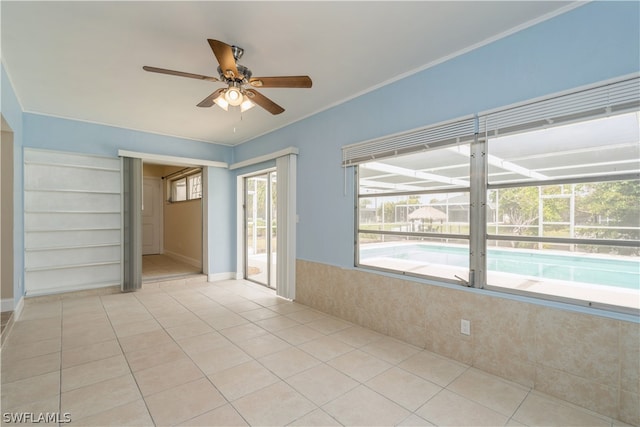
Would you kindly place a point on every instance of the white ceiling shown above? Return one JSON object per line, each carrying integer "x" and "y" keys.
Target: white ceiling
{"x": 83, "y": 60}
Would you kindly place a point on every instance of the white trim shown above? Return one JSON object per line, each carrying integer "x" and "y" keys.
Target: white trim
{"x": 122, "y": 222}
{"x": 217, "y": 277}
{"x": 191, "y": 261}
{"x": 66, "y": 153}
{"x": 74, "y": 288}
{"x": 205, "y": 222}
{"x": 17, "y": 311}
{"x": 264, "y": 158}
{"x": 240, "y": 238}
{"x": 240, "y": 219}
{"x": 180, "y": 161}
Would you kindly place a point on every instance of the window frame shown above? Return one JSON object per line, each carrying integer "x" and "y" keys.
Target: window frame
{"x": 515, "y": 122}
{"x": 478, "y": 236}
{"x": 187, "y": 177}
{"x": 423, "y": 234}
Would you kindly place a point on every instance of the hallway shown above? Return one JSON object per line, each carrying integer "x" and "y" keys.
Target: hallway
{"x": 156, "y": 267}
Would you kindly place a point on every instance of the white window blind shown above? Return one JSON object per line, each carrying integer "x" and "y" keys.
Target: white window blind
{"x": 599, "y": 101}
{"x": 442, "y": 134}
{"x": 286, "y": 208}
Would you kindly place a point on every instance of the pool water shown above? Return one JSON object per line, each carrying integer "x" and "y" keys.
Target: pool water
{"x": 596, "y": 270}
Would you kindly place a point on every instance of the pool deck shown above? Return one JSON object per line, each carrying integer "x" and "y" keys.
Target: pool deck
{"x": 597, "y": 294}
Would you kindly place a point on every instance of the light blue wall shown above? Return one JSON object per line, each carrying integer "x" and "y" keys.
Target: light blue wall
{"x": 12, "y": 112}
{"x": 54, "y": 133}
{"x": 595, "y": 42}
{"x": 222, "y": 221}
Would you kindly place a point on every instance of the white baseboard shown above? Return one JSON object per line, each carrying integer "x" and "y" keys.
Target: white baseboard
{"x": 6, "y": 304}
{"x": 191, "y": 261}
{"x": 17, "y": 311}
{"x": 221, "y": 276}
{"x": 66, "y": 291}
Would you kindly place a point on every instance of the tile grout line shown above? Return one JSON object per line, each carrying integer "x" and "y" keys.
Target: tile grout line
{"x": 188, "y": 356}
{"x": 283, "y": 380}
{"x": 127, "y": 362}
{"x": 254, "y": 359}
{"x": 186, "y": 305}
{"x": 520, "y": 405}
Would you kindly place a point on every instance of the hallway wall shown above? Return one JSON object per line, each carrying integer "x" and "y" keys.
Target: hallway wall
{"x": 6, "y": 218}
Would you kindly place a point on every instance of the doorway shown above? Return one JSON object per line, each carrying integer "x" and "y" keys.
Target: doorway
{"x": 260, "y": 228}
{"x": 172, "y": 221}
{"x": 6, "y": 223}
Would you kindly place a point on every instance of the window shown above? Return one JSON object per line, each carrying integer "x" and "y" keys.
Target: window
{"x": 414, "y": 213}
{"x": 195, "y": 186}
{"x": 187, "y": 187}
{"x": 567, "y": 218}
{"x": 545, "y": 200}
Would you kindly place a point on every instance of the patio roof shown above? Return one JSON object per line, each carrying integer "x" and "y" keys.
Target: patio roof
{"x": 604, "y": 146}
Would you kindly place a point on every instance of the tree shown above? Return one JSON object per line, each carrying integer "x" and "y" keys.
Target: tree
{"x": 517, "y": 207}
{"x": 611, "y": 203}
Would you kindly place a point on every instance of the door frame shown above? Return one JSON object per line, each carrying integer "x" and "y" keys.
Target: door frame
{"x": 185, "y": 161}
{"x": 245, "y": 255}
{"x": 286, "y": 165}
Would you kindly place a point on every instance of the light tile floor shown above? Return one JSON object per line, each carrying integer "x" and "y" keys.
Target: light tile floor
{"x": 187, "y": 352}
{"x": 159, "y": 266}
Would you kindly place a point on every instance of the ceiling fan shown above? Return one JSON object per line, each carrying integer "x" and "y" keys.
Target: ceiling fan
{"x": 239, "y": 81}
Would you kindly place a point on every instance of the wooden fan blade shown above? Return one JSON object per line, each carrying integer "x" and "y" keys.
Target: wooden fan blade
{"x": 208, "y": 101}
{"x": 284, "y": 81}
{"x": 224, "y": 55}
{"x": 180, "y": 73}
{"x": 264, "y": 102}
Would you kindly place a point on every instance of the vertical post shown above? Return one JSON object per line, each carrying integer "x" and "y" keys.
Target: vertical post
{"x": 286, "y": 169}
{"x": 132, "y": 215}
{"x": 478, "y": 214}
{"x": 572, "y": 217}
{"x": 540, "y": 216}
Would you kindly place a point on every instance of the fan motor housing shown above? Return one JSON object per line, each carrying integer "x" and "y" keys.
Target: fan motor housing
{"x": 244, "y": 75}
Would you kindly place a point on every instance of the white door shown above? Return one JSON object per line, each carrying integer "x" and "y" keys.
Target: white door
{"x": 151, "y": 215}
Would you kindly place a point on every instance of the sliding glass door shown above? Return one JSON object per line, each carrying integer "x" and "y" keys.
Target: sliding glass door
{"x": 260, "y": 226}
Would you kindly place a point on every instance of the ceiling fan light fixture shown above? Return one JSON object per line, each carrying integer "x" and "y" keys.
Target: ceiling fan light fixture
{"x": 222, "y": 102}
{"x": 237, "y": 77}
{"x": 246, "y": 104}
{"x": 233, "y": 96}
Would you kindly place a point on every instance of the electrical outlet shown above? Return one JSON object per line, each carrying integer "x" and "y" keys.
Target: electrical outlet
{"x": 465, "y": 327}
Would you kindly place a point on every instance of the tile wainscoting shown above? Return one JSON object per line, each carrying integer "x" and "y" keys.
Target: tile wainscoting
{"x": 587, "y": 360}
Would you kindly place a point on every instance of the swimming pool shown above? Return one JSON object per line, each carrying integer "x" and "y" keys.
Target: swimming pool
{"x": 597, "y": 270}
